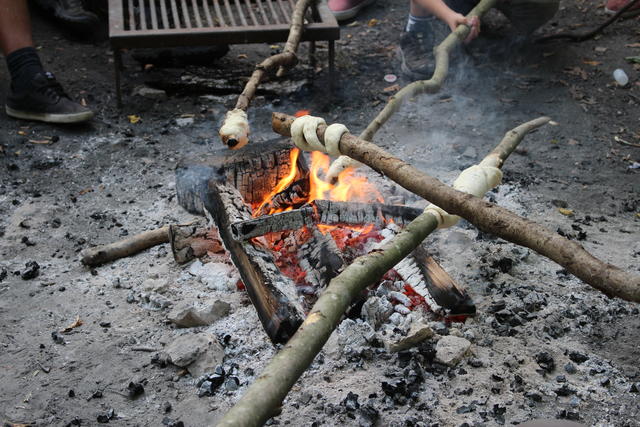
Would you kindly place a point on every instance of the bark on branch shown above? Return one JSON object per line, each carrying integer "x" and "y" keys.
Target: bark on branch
{"x": 269, "y": 390}
{"x": 102, "y": 254}
{"x": 486, "y": 216}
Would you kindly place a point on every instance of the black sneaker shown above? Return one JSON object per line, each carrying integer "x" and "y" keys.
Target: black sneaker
{"x": 70, "y": 12}
{"x": 416, "y": 54}
{"x": 46, "y": 101}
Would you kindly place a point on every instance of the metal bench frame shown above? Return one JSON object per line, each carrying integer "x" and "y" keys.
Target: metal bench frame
{"x": 174, "y": 23}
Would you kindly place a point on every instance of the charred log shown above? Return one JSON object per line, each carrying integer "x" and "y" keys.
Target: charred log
{"x": 327, "y": 212}
{"x": 272, "y": 294}
{"x": 193, "y": 241}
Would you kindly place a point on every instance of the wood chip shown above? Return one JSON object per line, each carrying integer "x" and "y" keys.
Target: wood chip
{"x": 76, "y": 323}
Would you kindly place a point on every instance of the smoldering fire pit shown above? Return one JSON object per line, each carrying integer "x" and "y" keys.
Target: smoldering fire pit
{"x": 289, "y": 233}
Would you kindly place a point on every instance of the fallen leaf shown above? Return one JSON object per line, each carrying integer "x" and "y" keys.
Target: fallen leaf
{"x": 274, "y": 46}
{"x": 21, "y": 132}
{"x": 392, "y": 88}
{"x": 372, "y": 22}
{"x": 85, "y": 191}
{"x": 577, "y": 71}
{"x": 638, "y": 214}
{"x": 133, "y": 119}
{"x": 147, "y": 67}
{"x": 633, "y": 59}
{"x": 590, "y": 62}
{"x": 567, "y": 212}
{"x": 83, "y": 102}
{"x": 242, "y": 56}
{"x": 353, "y": 24}
{"x": 40, "y": 141}
{"x": 632, "y": 45}
{"x": 76, "y": 323}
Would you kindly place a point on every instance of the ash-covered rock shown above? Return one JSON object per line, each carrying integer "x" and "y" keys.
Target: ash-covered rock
{"x": 189, "y": 314}
{"x": 450, "y": 350}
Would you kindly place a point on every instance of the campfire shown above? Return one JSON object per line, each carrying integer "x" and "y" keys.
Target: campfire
{"x": 289, "y": 231}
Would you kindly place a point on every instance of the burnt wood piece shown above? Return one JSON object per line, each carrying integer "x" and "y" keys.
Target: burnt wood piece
{"x": 325, "y": 212}
{"x": 193, "y": 241}
{"x": 273, "y": 295}
{"x": 443, "y": 289}
{"x": 321, "y": 259}
{"x": 255, "y": 171}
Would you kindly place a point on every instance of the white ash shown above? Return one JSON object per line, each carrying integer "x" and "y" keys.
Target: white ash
{"x": 215, "y": 275}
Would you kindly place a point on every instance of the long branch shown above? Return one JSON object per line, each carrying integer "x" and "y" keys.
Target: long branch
{"x": 287, "y": 58}
{"x": 433, "y": 85}
{"x": 271, "y": 387}
{"x": 234, "y": 131}
{"x": 488, "y": 217}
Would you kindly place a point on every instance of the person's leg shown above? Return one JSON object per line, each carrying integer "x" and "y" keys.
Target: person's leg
{"x": 15, "y": 26}
{"x": 35, "y": 94}
{"x": 528, "y": 15}
{"x": 347, "y": 9}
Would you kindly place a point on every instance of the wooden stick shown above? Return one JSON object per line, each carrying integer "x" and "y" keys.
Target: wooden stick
{"x": 287, "y": 58}
{"x": 102, "y": 254}
{"x": 266, "y": 394}
{"x": 580, "y": 37}
{"x": 486, "y": 216}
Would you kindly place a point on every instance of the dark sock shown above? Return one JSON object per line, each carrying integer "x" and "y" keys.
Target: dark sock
{"x": 23, "y": 65}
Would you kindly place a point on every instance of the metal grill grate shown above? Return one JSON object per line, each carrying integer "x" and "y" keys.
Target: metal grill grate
{"x": 159, "y": 23}
{"x": 174, "y": 23}
{"x": 143, "y": 15}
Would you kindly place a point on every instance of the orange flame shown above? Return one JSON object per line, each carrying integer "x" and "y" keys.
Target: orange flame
{"x": 284, "y": 182}
{"x": 349, "y": 187}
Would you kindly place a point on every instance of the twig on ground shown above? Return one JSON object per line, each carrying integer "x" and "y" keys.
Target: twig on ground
{"x": 102, "y": 254}
{"x": 580, "y": 37}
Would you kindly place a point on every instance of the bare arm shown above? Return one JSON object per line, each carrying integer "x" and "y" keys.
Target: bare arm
{"x": 445, "y": 14}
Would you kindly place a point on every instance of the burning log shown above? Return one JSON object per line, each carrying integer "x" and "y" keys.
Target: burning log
{"x": 255, "y": 171}
{"x": 433, "y": 85}
{"x": 234, "y": 132}
{"x": 488, "y": 217}
{"x": 293, "y": 196}
{"x": 269, "y": 390}
{"x": 272, "y": 294}
{"x": 103, "y": 254}
{"x": 328, "y": 212}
